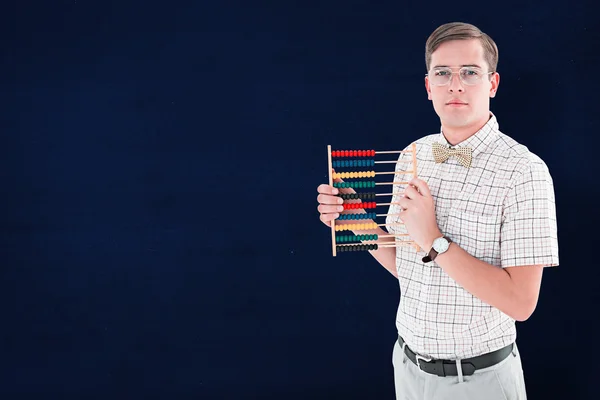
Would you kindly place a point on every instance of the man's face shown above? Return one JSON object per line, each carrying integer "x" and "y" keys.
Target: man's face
{"x": 457, "y": 104}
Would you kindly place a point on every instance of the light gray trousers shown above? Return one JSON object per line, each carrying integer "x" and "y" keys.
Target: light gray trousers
{"x": 503, "y": 381}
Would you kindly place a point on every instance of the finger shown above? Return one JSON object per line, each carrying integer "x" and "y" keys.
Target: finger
{"x": 327, "y": 189}
{"x": 411, "y": 192}
{"x": 327, "y": 209}
{"x": 327, "y": 218}
{"x": 421, "y": 186}
{"x": 328, "y": 223}
{"x": 404, "y": 203}
{"x": 327, "y": 199}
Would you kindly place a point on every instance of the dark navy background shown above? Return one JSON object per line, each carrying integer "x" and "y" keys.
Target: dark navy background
{"x": 159, "y": 164}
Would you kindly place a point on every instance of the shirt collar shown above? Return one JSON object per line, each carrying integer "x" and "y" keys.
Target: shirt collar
{"x": 480, "y": 140}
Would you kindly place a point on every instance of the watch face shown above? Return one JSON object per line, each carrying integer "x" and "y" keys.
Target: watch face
{"x": 440, "y": 245}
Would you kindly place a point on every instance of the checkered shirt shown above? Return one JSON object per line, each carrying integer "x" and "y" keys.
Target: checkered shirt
{"x": 501, "y": 211}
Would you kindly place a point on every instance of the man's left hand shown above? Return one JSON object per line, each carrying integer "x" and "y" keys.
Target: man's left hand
{"x": 418, "y": 214}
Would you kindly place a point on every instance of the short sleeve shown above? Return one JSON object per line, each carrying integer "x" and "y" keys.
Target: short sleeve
{"x": 529, "y": 226}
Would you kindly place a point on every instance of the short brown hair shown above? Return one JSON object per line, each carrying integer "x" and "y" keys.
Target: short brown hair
{"x": 462, "y": 31}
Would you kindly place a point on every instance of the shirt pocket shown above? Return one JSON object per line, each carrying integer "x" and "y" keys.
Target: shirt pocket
{"x": 476, "y": 231}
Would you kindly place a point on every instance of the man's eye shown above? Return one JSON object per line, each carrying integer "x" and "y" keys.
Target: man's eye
{"x": 441, "y": 73}
{"x": 472, "y": 72}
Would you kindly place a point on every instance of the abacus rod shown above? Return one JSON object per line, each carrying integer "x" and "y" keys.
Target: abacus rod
{"x": 377, "y": 173}
{"x": 376, "y": 194}
{"x": 395, "y": 245}
{"x": 382, "y": 244}
{"x": 333, "y": 248}
{"x": 393, "y": 162}
{"x": 393, "y": 151}
{"x": 388, "y": 236}
{"x": 394, "y": 235}
{"x": 392, "y": 183}
{"x": 414, "y": 158}
{"x": 355, "y": 222}
{"x": 376, "y": 205}
{"x": 390, "y": 173}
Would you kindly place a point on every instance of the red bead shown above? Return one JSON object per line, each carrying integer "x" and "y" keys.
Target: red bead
{"x": 334, "y": 153}
{"x": 354, "y": 153}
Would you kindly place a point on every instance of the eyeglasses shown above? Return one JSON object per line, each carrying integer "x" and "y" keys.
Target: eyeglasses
{"x": 468, "y": 75}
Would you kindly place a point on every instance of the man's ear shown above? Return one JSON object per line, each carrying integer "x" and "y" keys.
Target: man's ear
{"x": 495, "y": 81}
{"x": 427, "y": 88}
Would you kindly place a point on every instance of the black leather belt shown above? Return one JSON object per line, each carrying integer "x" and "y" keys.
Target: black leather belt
{"x": 448, "y": 367}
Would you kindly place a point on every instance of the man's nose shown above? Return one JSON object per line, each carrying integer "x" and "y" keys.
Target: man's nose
{"x": 455, "y": 84}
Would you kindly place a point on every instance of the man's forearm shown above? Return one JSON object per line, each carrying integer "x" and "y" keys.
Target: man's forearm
{"x": 491, "y": 284}
{"x": 386, "y": 256}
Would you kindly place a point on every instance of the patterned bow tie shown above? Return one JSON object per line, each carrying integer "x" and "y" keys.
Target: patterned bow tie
{"x": 463, "y": 154}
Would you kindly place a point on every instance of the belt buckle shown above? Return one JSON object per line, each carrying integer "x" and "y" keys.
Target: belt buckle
{"x": 426, "y": 359}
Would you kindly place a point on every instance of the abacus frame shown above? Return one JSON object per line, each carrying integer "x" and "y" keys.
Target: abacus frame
{"x": 412, "y": 150}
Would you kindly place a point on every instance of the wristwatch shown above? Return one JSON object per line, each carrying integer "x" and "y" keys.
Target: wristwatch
{"x": 440, "y": 245}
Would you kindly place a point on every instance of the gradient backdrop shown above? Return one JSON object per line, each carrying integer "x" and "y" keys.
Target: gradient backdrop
{"x": 159, "y": 161}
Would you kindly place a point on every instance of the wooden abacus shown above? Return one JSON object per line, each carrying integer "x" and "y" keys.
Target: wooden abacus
{"x": 365, "y": 158}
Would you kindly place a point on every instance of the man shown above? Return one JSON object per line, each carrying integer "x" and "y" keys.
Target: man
{"x": 482, "y": 210}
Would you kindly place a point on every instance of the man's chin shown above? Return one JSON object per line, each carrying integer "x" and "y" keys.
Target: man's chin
{"x": 455, "y": 121}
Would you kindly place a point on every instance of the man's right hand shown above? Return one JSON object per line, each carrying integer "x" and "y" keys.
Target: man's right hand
{"x": 330, "y": 206}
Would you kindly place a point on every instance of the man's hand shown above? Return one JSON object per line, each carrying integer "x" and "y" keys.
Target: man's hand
{"x": 330, "y": 206}
{"x": 418, "y": 214}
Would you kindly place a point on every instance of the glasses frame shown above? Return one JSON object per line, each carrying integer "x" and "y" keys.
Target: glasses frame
{"x": 452, "y": 73}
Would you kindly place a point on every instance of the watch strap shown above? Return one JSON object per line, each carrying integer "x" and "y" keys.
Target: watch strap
{"x": 432, "y": 253}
